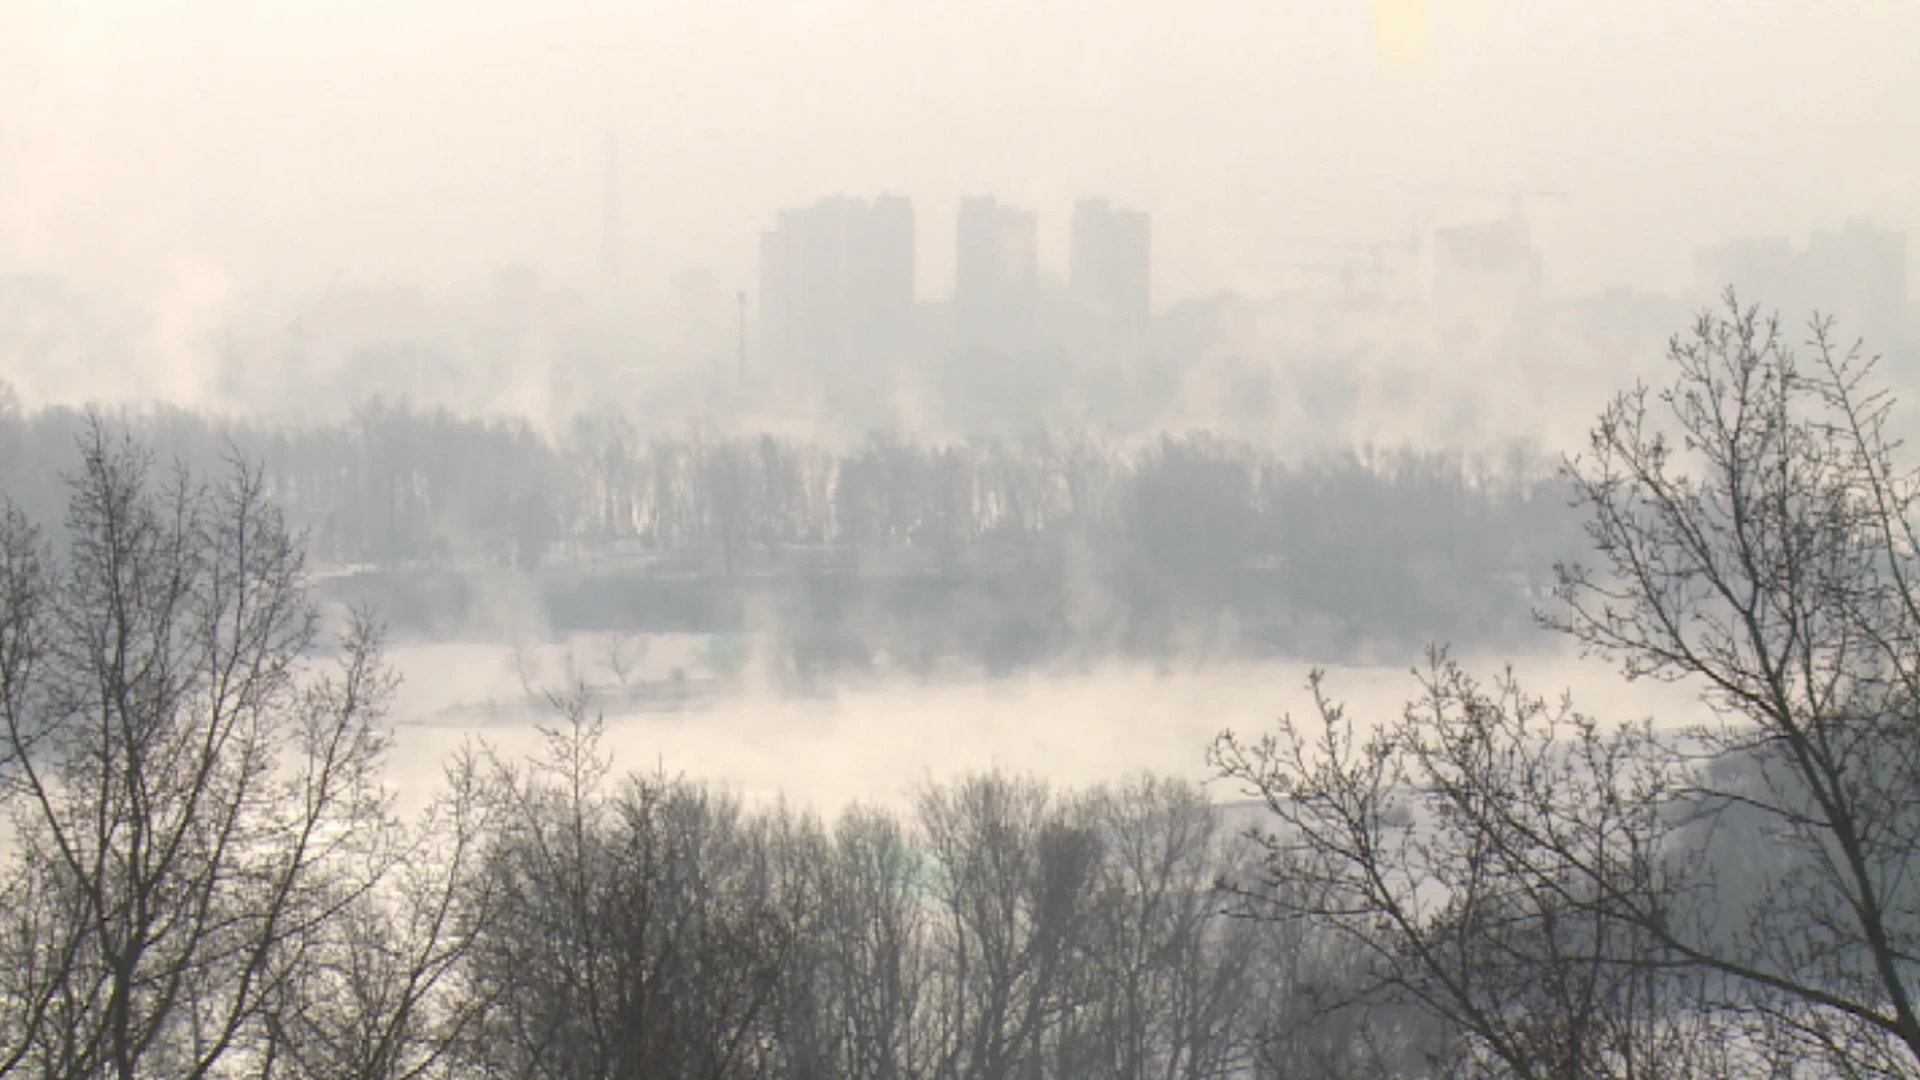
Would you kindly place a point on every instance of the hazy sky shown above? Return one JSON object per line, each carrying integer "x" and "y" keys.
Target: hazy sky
{"x": 220, "y": 141}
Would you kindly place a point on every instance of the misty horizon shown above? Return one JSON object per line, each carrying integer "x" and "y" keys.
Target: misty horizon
{"x": 420, "y": 146}
{"x": 939, "y": 540}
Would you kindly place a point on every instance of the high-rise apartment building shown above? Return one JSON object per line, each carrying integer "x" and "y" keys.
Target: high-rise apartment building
{"x": 995, "y": 252}
{"x": 1486, "y": 273}
{"x": 1110, "y": 263}
{"x": 836, "y": 282}
{"x": 1856, "y": 274}
{"x": 996, "y": 273}
{"x": 1753, "y": 266}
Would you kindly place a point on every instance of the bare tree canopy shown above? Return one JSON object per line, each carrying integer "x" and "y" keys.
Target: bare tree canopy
{"x": 204, "y": 873}
{"x": 994, "y": 551}
{"x": 195, "y": 806}
{"x": 1578, "y": 899}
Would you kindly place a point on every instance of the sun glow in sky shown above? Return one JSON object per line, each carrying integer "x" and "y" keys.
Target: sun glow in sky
{"x": 1401, "y": 29}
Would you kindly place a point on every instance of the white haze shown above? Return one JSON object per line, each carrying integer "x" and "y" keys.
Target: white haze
{"x": 211, "y": 157}
{"x": 879, "y": 741}
{"x": 220, "y": 166}
{"x": 432, "y": 140}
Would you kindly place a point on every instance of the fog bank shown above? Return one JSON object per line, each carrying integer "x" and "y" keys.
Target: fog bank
{"x": 879, "y": 741}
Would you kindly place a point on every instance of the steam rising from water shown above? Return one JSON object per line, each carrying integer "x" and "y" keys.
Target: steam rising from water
{"x": 878, "y": 741}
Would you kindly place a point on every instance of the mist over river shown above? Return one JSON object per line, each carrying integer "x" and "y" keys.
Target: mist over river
{"x": 879, "y": 738}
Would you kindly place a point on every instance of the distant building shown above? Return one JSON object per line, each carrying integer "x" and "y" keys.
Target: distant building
{"x": 360, "y": 318}
{"x": 836, "y": 283}
{"x": 516, "y": 288}
{"x": 1754, "y": 267}
{"x": 698, "y": 325}
{"x": 996, "y": 252}
{"x": 1485, "y": 274}
{"x": 1857, "y": 274}
{"x": 996, "y": 271}
{"x": 56, "y": 340}
{"x": 1110, "y": 264}
{"x": 1627, "y": 326}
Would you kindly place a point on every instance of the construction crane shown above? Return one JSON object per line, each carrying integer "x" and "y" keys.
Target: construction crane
{"x": 1368, "y": 262}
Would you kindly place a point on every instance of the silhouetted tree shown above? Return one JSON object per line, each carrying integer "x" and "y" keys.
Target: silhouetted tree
{"x": 1577, "y": 900}
{"x": 193, "y": 805}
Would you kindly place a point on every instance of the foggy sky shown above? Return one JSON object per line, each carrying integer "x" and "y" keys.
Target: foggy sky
{"x": 198, "y": 146}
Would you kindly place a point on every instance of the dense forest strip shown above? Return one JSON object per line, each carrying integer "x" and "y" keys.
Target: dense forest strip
{"x": 1407, "y": 544}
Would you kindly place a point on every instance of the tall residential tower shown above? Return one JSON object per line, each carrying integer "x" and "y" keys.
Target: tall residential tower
{"x": 1110, "y": 263}
{"x": 836, "y": 283}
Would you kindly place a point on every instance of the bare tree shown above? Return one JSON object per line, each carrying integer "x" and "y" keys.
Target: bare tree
{"x": 870, "y": 947}
{"x": 1757, "y": 541}
{"x": 1451, "y": 853}
{"x": 1586, "y": 901}
{"x": 384, "y": 992}
{"x": 638, "y": 929}
{"x": 1173, "y": 990}
{"x": 624, "y": 653}
{"x": 1015, "y": 882}
{"x": 188, "y": 798}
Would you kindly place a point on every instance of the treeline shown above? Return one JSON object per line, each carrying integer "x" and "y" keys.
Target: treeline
{"x": 208, "y": 873}
{"x": 653, "y": 927}
{"x": 397, "y": 485}
{"x": 1422, "y": 543}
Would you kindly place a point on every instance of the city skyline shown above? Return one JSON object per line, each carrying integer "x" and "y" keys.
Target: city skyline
{"x": 472, "y": 136}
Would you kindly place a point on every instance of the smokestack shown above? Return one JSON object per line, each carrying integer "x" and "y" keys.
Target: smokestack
{"x": 610, "y": 214}
{"x": 743, "y": 337}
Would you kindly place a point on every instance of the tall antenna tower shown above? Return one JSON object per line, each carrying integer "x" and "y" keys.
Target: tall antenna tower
{"x": 610, "y": 213}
